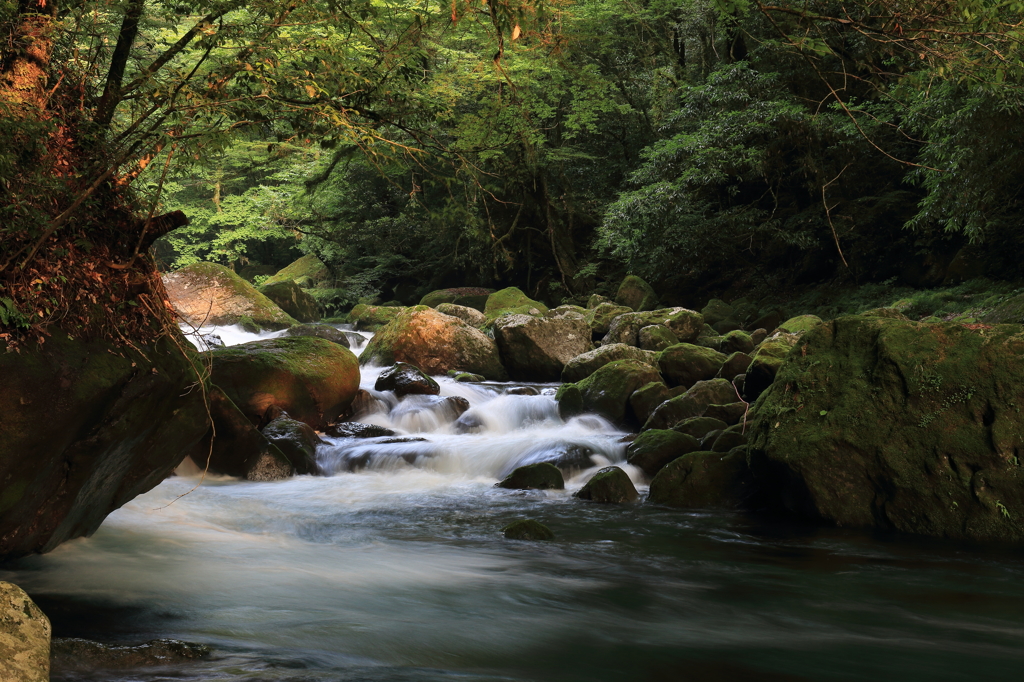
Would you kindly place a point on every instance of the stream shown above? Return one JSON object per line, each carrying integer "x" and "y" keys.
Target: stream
{"x": 393, "y": 567}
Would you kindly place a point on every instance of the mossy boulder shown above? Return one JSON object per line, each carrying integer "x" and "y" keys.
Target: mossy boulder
{"x": 610, "y": 485}
{"x": 685, "y": 324}
{"x": 647, "y": 398}
{"x": 470, "y": 316}
{"x": 716, "y": 311}
{"x": 293, "y": 300}
{"x": 469, "y": 297}
{"x": 321, "y": 331}
{"x": 527, "y": 529}
{"x": 296, "y": 440}
{"x": 372, "y": 318}
{"x": 800, "y": 324}
{"x": 601, "y": 316}
{"x": 435, "y": 343}
{"x": 606, "y": 392}
{"x": 736, "y": 341}
{"x": 891, "y": 424}
{"x": 685, "y": 364}
{"x": 585, "y": 364}
{"x": 728, "y": 413}
{"x": 734, "y": 365}
{"x": 85, "y": 426}
{"x": 655, "y": 448}
{"x": 702, "y": 480}
{"x": 211, "y": 294}
{"x": 693, "y": 403}
{"x": 312, "y": 379}
{"x": 656, "y": 337}
{"x": 537, "y": 348}
{"x": 24, "y": 637}
{"x": 698, "y": 427}
{"x": 510, "y": 301}
{"x": 405, "y": 379}
{"x": 596, "y": 300}
{"x": 539, "y": 476}
{"x": 237, "y": 447}
{"x": 1010, "y": 311}
{"x": 765, "y": 363}
{"x": 308, "y": 267}
{"x": 636, "y": 294}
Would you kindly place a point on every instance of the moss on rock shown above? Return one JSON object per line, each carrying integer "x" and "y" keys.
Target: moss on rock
{"x": 685, "y": 364}
{"x": 527, "y": 529}
{"x": 373, "y": 317}
{"x": 309, "y": 267}
{"x": 610, "y": 485}
{"x": 211, "y": 294}
{"x": 636, "y": 294}
{"x": 539, "y": 476}
{"x": 655, "y": 448}
{"x": 469, "y": 297}
{"x": 704, "y": 479}
{"x": 293, "y": 300}
{"x": 511, "y": 301}
{"x": 606, "y": 392}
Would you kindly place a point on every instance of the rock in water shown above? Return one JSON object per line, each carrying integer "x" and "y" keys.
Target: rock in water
{"x": 527, "y": 529}
{"x": 892, "y": 424}
{"x": 322, "y": 331}
{"x": 405, "y": 379}
{"x": 24, "y": 637}
{"x": 373, "y": 317}
{"x": 293, "y": 300}
{"x": 357, "y": 430}
{"x": 607, "y": 391}
{"x": 609, "y": 485}
{"x": 211, "y": 294}
{"x": 86, "y": 655}
{"x": 655, "y": 448}
{"x": 435, "y": 343}
{"x": 310, "y": 378}
{"x": 84, "y": 428}
{"x": 704, "y": 480}
{"x": 538, "y": 348}
{"x": 540, "y": 476}
{"x": 297, "y": 441}
{"x": 585, "y": 364}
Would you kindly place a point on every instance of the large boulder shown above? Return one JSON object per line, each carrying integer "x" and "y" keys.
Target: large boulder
{"x": 610, "y": 485}
{"x": 606, "y": 392}
{"x": 636, "y": 294}
{"x": 892, "y": 424}
{"x": 373, "y": 317}
{"x": 307, "y": 268}
{"x": 86, "y": 426}
{"x": 693, "y": 403}
{"x": 765, "y": 363}
{"x": 470, "y": 297}
{"x": 601, "y": 316}
{"x": 685, "y": 324}
{"x": 211, "y": 294}
{"x": 655, "y": 448}
{"x": 685, "y": 364}
{"x": 700, "y": 480}
{"x": 538, "y": 348}
{"x": 509, "y": 301}
{"x": 646, "y": 399}
{"x": 293, "y": 300}
{"x": 24, "y": 637}
{"x": 312, "y": 379}
{"x": 585, "y": 364}
{"x": 234, "y": 447}
{"x": 800, "y": 324}
{"x": 435, "y": 343}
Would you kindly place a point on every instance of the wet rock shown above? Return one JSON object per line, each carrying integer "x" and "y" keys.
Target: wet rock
{"x": 609, "y": 485}
{"x": 24, "y": 637}
{"x": 734, "y": 365}
{"x": 405, "y": 379}
{"x": 569, "y": 457}
{"x": 357, "y": 430}
{"x": 539, "y": 476}
{"x": 468, "y": 423}
{"x": 372, "y": 318}
{"x": 606, "y": 392}
{"x": 312, "y": 379}
{"x": 522, "y": 390}
{"x": 693, "y": 403}
{"x": 469, "y": 378}
{"x": 538, "y": 348}
{"x": 701, "y": 480}
{"x": 907, "y": 426}
{"x": 470, "y": 316}
{"x": 698, "y": 427}
{"x": 730, "y": 413}
{"x": 435, "y": 343}
{"x": 238, "y": 449}
{"x": 85, "y": 426}
{"x": 585, "y": 364}
{"x": 211, "y": 294}
{"x": 293, "y": 300}
{"x": 321, "y": 331}
{"x": 656, "y": 337}
{"x": 636, "y": 294}
{"x": 297, "y": 441}
{"x": 212, "y": 340}
{"x": 685, "y": 364}
{"x": 655, "y": 448}
{"x": 456, "y": 405}
{"x": 74, "y": 654}
{"x": 527, "y": 529}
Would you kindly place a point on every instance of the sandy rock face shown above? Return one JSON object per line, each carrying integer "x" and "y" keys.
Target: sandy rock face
{"x": 24, "y": 637}
{"x": 211, "y": 294}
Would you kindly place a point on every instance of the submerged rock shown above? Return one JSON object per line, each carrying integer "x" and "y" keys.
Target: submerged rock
{"x": 538, "y": 348}
{"x": 539, "y": 476}
{"x": 405, "y": 379}
{"x": 569, "y": 457}
{"x": 73, "y": 653}
{"x": 609, "y": 485}
{"x": 435, "y": 343}
{"x": 527, "y": 529}
{"x": 211, "y": 294}
{"x": 310, "y": 378}
{"x": 24, "y": 637}
{"x": 890, "y": 424}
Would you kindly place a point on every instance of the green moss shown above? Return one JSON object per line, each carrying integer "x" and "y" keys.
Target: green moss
{"x": 607, "y": 391}
{"x": 263, "y": 312}
{"x": 373, "y": 317}
{"x": 800, "y": 324}
{"x": 610, "y": 485}
{"x": 509, "y": 301}
{"x": 309, "y": 266}
{"x": 527, "y": 529}
{"x": 636, "y": 294}
{"x": 540, "y": 476}
{"x": 471, "y": 297}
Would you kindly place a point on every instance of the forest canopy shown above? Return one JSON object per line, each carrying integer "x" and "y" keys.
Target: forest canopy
{"x": 552, "y": 145}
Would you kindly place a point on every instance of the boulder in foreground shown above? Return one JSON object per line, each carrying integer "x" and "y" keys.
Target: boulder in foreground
{"x": 539, "y": 476}
{"x": 610, "y": 485}
{"x": 211, "y": 294}
{"x": 891, "y": 424}
{"x": 24, "y": 637}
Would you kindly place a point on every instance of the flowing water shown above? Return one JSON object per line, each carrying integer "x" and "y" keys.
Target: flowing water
{"x": 393, "y": 567}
